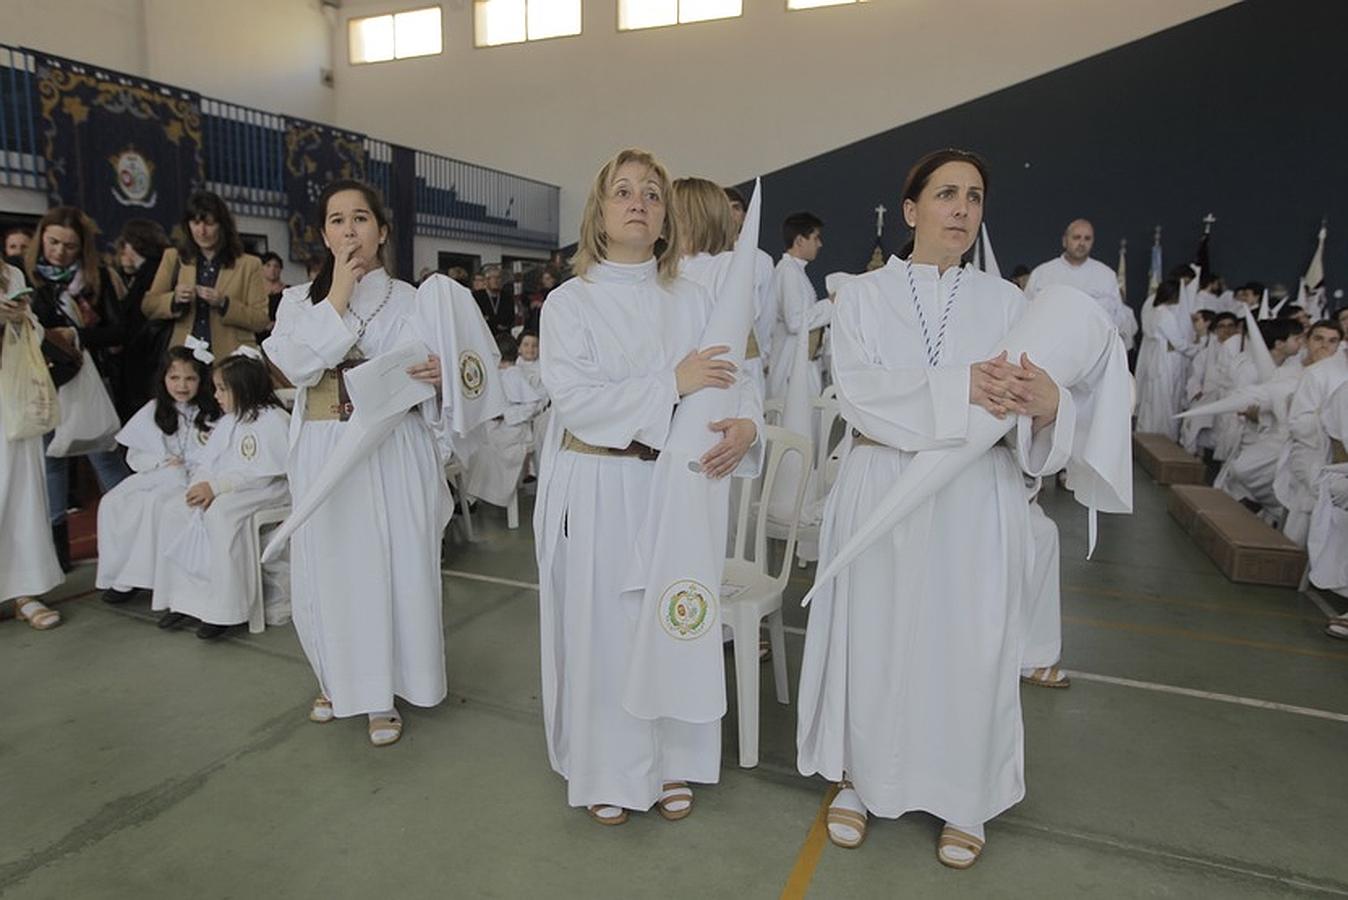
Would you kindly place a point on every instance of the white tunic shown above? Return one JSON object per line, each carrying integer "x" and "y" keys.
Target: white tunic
{"x": 1306, "y": 454}
{"x": 28, "y": 565}
{"x": 244, "y": 462}
{"x": 797, "y": 308}
{"x": 610, "y": 343}
{"x": 1043, "y": 594}
{"x": 497, "y": 461}
{"x": 1207, "y": 383}
{"x": 1095, "y": 279}
{"x": 365, "y": 569}
{"x": 1160, "y": 372}
{"x": 710, "y": 272}
{"x": 1248, "y": 473}
{"x": 910, "y": 681}
{"x": 130, "y": 516}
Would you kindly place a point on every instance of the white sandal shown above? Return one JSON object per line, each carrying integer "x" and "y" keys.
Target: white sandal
{"x": 846, "y": 826}
{"x": 37, "y": 614}
{"x": 321, "y": 711}
{"x": 676, "y": 801}
{"x": 385, "y": 730}
{"x": 954, "y": 839}
{"x": 606, "y": 814}
{"x": 1046, "y": 676}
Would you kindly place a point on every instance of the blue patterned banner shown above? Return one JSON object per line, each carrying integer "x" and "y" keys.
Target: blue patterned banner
{"x": 117, "y": 146}
{"x": 315, "y": 156}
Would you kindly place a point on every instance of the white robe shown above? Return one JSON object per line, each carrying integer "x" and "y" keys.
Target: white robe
{"x": 710, "y": 271}
{"x": 1043, "y": 594}
{"x": 503, "y": 444}
{"x": 1308, "y": 451}
{"x": 1230, "y": 430}
{"x": 1094, "y": 278}
{"x": 1160, "y": 372}
{"x": 796, "y": 307}
{"x": 244, "y": 463}
{"x": 365, "y": 569}
{"x": 131, "y": 515}
{"x": 910, "y": 680}
{"x": 28, "y": 565}
{"x": 1248, "y": 473}
{"x": 610, "y": 343}
{"x": 1206, "y": 384}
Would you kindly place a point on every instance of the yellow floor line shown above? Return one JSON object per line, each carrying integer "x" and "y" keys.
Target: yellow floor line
{"x": 1206, "y": 636}
{"x": 798, "y": 882}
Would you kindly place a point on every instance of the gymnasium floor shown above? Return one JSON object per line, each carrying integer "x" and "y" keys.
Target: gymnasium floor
{"x": 1198, "y": 754}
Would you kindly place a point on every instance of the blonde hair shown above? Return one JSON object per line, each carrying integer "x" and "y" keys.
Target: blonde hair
{"x": 73, "y": 218}
{"x": 592, "y": 248}
{"x": 703, "y": 213}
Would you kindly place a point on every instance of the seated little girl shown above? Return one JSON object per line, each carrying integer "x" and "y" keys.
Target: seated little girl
{"x": 204, "y": 573}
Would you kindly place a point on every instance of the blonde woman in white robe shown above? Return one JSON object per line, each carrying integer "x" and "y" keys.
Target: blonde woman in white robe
{"x": 1160, "y": 364}
{"x": 165, "y": 442}
{"x": 619, "y": 348}
{"x": 365, "y": 568}
{"x": 909, "y": 691}
{"x": 28, "y": 564}
{"x": 203, "y": 573}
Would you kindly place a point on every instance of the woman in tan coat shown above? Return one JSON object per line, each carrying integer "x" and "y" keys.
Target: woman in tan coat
{"x": 210, "y": 288}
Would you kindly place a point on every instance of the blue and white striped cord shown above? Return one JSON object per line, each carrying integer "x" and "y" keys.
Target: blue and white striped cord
{"x": 933, "y": 352}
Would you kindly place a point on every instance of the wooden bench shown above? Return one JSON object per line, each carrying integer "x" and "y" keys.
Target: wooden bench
{"x": 1244, "y": 547}
{"x": 1165, "y": 461}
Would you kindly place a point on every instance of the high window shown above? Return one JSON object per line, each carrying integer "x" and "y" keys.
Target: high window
{"x": 634, "y": 14}
{"x": 814, "y": 4}
{"x": 497, "y": 22}
{"x": 395, "y": 36}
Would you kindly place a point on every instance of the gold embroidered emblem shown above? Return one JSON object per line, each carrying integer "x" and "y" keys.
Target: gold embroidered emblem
{"x": 472, "y": 375}
{"x": 687, "y": 610}
{"x": 248, "y": 447}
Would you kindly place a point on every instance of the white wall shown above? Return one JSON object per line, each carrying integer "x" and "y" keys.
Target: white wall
{"x": 719, "y": 99}
{"x": 262, "y": 53}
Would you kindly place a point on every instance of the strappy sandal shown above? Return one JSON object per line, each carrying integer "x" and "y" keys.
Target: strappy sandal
{"x": 846, "y": 818}
{"x": 671, "y": 793}
{"x": 1047, "y": 676}
{"x": 37, "y": 614}
{"x": 597, "y": 810}
{"x": 385, "y": 724}
{"x": 954, "y": 839}
{"x": 321, "y": 712}
{"x": 1338, "y": 627}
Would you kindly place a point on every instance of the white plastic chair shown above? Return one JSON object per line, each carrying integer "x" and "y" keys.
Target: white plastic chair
{"x": 772, "y": 411}
{"x": 749, "y": 593}
{"x": 257, "y": 622}
{"x": 454, "y": 473}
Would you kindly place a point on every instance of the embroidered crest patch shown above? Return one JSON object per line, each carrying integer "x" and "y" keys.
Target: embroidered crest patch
{"x": 687, "y": 610}
{"x": 472, "y": 375}
{"x": 248, "y": 446}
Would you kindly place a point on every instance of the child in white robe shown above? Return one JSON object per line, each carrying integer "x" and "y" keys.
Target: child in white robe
{"x": 1161, "y": 364}
{"x": 496, "y": 465}
{"x": 527, "y": 365}
{"x": 203, "y": 573}
{"x": 619, "y": 349}
{"x": 165, "y": 441}
{"x": 28, "y": 564}
{"x": 365, "y": 568}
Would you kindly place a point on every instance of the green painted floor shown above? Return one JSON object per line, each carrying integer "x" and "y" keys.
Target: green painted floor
{"x": 135, "y": 763}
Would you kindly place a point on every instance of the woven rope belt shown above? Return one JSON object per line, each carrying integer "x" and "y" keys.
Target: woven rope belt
{"x": 751, "y": 350}
{"x": 1337, "y": 452}
{"x": 636, "y": 449}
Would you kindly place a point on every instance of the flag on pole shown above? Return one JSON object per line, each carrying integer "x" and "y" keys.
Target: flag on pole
{"x": 1203, "y": 256}
{"x": 1123, "y": 270}
{"x": 1156, "y": 274}
{"x": 1312, "y": 295}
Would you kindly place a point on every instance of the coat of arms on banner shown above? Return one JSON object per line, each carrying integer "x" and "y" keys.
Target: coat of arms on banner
{"x": 134, "y": 184}
{"x": 687, "y": 610}
{"x": 472, "y": 374}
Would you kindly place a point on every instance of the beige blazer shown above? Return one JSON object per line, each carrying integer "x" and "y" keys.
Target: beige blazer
{"x": 241, "y": 283}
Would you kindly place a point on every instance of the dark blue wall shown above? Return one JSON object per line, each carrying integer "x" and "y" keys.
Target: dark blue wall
{"x": 1242, "y": 113}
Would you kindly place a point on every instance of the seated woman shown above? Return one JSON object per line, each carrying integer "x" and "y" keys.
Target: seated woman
{"x": 165, "y": 442}
{"x": 203, "y": 573}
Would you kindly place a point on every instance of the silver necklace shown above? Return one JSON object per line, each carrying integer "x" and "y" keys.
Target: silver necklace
{"x": 934, "y": 351}
{"x": 364, "y": 321}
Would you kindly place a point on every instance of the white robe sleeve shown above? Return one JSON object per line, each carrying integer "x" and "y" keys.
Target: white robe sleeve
{"x": 144, "y": 442}
{"x": 911, "y": 408}
{"x": 598, "y": 411}
{"x": 308, "y": 338}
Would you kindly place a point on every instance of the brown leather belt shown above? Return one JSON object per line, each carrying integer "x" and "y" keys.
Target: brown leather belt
{"x": 636, "y": 449}
{"x": 752, "y": 351}
{"x": 1337, "y": 453}
{"x": 328, "y": 400}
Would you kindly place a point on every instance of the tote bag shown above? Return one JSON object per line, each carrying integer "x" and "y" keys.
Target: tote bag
{"x": 89, "y": 421}
{"x": 27, "y": 393}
